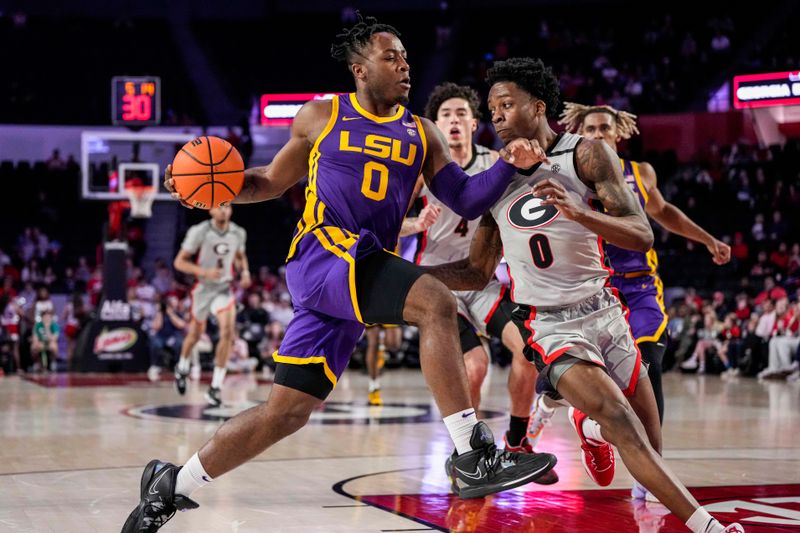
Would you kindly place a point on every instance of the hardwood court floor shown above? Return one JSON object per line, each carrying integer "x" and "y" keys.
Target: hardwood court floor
{"x": 73, "y": 447}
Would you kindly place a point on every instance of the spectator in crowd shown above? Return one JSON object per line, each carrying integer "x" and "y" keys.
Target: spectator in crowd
{"x": 730, "y": 344}
{"x": 9, "y": 328}
{"x": 43, "y": 303}
{"x": 7, "y": 289}
{"x": 166, "y": 332}
{"x": 74, "y": 316}
{"x": 252, "y": 322}
{"x": 281, "y": 314}
{"x": 240, "y": 359}
{"x": 44, "y": 341}
{"x": 784, "y": 344}
{"x": 743, "y": 310}
{"x": 163, "y": 278}
{"x": 54, "y": 162}
{"x": 771, "y": 292}
{"x": 94, "y": 285}
{"x": 793, "y": 263}
{"x": 767, "y": 321}
{"x": 739, "y": 249}
{"x": 707, "y": 339}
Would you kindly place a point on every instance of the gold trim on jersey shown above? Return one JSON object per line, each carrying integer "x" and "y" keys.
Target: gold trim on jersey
{"x": 314, "y": 209}
{"x": 638, "y": 176}
{"x": 375, "y": 118}
{"x": 660, "y": 299}
{"x": 652, "y": 260}
{"x": 291, "y": 360}
{"x": 651, "y": 256}
{"x": 338, "y": 242}
{"x": 423, "y": 139}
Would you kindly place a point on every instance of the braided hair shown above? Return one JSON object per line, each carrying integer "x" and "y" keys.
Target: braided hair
{"x": 574, "y": 114}
{"x": 354, "y": 40}
{"x": 532, "y": 76}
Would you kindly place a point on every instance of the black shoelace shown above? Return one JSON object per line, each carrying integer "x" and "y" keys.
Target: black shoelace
{"x": 156, "y": 514}
{"x": 494, "y": 456}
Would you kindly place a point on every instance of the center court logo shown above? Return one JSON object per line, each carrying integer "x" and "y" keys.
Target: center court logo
{"x": 338, "y": 413}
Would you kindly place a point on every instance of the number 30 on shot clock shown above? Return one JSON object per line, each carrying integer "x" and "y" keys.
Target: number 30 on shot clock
{"x": 136, "y": 101}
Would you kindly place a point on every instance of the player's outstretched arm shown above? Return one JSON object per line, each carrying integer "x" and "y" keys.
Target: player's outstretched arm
{"x": 676, "y": 221}
{"x": 288, "y": 167}
{"x": 474, "y": 272}
{"x": 624, "y": 224}
{"x": 290, "y": 164}
{"x": 471, "y": 196}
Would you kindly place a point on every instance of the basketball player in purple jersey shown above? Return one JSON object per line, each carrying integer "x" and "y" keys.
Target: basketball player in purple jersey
{"x": 362, "y": 153}
{"x": 550, "y": 225}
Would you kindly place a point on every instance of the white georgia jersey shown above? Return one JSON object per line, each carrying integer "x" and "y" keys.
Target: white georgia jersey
{"x": 553, "y": 261}
{"x": 450, "y": 236}
{"x": 215, "y": 248}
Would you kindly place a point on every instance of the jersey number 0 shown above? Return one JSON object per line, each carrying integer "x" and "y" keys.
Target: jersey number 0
{"x": 541, "y": 253}
{"x": 367, "y": 185}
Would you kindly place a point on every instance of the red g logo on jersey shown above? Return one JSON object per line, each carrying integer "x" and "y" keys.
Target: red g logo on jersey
{"x": 221, "y": 248}
{"x": 527, "y": 212}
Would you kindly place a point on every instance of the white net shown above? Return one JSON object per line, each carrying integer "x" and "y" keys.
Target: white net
{"x": 141, "y": 198}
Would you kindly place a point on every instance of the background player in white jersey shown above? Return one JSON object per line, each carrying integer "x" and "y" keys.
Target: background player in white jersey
{"x": 456, "y": 111}
{"x": 219, "y": 247}
{"x": 574, "y": 324}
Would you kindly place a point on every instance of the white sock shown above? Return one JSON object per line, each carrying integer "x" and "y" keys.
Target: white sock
{"x": 460, "y": 425}
{"x": 591, "y": 430}
{"x": 183, "y": 365}
{"x": 702, "y": 522}
{"x": 547, "y": 412}
{"x": 374, "y": 384}
{"x": 191, "y": 477}
{"x": 219, "y": 377}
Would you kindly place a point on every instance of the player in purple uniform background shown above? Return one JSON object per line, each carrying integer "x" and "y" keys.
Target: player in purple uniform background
{"x": 362, "y": 153}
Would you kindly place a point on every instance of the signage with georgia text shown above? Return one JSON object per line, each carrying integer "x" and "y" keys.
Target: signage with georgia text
{"x": 765, "y": 90}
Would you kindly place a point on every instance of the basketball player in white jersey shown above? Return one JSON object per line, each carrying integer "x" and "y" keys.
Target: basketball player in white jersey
{"x": 219, "y": 246}
{"x": 550, "y": 226}
{"x": 456, "y": 111}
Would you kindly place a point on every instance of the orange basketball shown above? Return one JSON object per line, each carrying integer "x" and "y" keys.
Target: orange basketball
{"x": 208, "y": 172}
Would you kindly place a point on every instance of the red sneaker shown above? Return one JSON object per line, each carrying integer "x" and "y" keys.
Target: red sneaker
{"x": 525, "y": 447}
{"x": 598, "y": 461}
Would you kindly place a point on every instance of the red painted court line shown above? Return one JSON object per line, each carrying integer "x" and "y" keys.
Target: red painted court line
{"x": 594, "y": 510}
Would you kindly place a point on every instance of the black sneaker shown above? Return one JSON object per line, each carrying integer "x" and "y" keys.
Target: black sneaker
{"x": 158, "y": 499}
{"x": 180, "y": 381}
{"x": 214, "y": 397}
{"x": 485, "y": 469}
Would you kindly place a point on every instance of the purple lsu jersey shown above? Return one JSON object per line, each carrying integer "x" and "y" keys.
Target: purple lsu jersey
{"x": 627, "y": 260}
{"x": 362, "y": 170}
{"x": 644, "y": 294}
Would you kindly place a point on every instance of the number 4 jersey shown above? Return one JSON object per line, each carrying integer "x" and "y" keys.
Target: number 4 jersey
{"x": 449, "y": 238}
{"x": 553, "y": 261}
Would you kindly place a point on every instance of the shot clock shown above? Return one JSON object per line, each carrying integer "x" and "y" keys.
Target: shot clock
{"x": 135, "y": 101}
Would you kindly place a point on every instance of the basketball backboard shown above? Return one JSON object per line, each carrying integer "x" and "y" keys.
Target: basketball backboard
{"x": 109, "y": 159}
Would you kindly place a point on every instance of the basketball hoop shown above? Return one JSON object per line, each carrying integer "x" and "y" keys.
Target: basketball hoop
{"x": 141, "y": 198}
